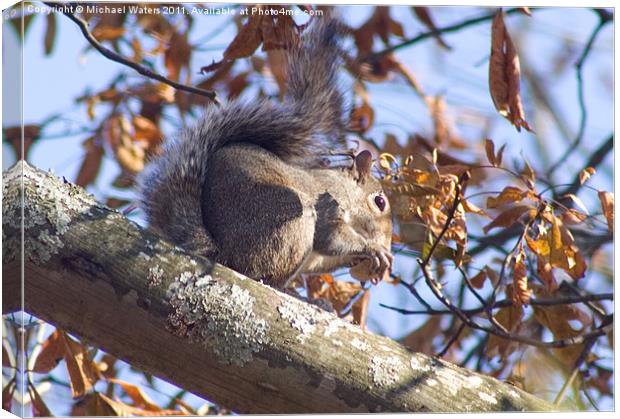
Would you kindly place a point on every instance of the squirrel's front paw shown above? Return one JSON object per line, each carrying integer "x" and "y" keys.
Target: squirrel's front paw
{"x": 374, "y": 264}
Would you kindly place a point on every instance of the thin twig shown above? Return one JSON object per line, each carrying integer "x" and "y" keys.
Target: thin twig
{"x": 561, "y": 343}
{"x": 438, "y": 31}
{"x": 507, "y": 303}
{"x": 455, "y": 204}
{"x": 580, "y": 95}
{"x": 453, "y": 339}
{"x": 83, "y": 25}
{"x": 595, "y": 159}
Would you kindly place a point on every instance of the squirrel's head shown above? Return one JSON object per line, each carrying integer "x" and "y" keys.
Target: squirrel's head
{"x": 374, "y": 216}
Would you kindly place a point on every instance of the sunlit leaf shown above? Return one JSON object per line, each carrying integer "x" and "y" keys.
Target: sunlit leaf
{"x": 508, "y": 217}
{"x": 585, "y": 174}
{"x": 52, "y": 352}
{"x": 607, "y": 203}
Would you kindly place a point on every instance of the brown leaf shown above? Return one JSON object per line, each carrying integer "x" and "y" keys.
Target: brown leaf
{"x": 140, "y": 399}
{"x": 520, "y": 292}
{"x": 474, "y": 209}
{"x": 362, "y": 118}
{"x": 607, "y": 203}
{"x": 7, "y": 395}
{"x": 177, "y": 55}
{"x": 91, "y": 163}
{"x": 571, "y": 216}
{"x": 360, "y": 310}
{"x": 105, "y": 404}
{"x": 52, "y": 352}
{"x": 6, "y": 359}
{"x": 381, "y": 24}
{"x": 508, "y": 217}
{"x": 489, "y": 147}
{"x": 277, "y": 65}
{"x": 114, "y": 203}
{"x": 557, "y": 320}
{"x": 585, "y": 174}
{"x": 238, "y": 84}
{"x": 424, "y": 14}
{"x": 146, "y": 130}
{"x": 505, "y": 75}
{"x": 50, "y": 33}
{"x": 82, "y": 370}
{"x": 509, "y": 317}
{"x": 39, "y": 408}
{"x": 108, "y": 33}
{"x": 526, "y": 10}
{"x": 421, "y": 339}
{"x": 340, "y": 293}
{"x": 510, "y": 194}
{"x": 247, "y": 40}
{"x": 479, "y": 279}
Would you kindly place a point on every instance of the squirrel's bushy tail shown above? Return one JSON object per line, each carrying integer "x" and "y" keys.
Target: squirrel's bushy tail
{"x": 311, "y": 116}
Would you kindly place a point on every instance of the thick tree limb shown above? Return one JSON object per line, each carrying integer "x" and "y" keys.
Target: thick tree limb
{"x": 206, "y": 328}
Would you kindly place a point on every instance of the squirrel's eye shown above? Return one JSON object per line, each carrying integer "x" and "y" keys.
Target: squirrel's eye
{"x": 380, "y": 202}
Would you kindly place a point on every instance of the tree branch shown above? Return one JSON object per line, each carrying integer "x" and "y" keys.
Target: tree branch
{"x": 604, "y": 18}
{"x": 507, "y": 303}
{"x": 83, "y": 25}
{"x": 205, "y": 328}
{"x": 439, "y": 31}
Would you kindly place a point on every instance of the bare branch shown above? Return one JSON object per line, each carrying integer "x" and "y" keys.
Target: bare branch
{"x": 603, "y": 20}
{"x": 438, "y": 31}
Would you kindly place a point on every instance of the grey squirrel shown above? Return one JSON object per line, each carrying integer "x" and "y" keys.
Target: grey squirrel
{"x": 244, "y": 186}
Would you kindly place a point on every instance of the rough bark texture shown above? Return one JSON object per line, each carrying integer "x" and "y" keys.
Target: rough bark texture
{"x": 206, "y": 328}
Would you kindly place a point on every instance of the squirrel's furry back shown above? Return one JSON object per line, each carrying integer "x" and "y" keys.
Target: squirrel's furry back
{"x": 171, "y": 187}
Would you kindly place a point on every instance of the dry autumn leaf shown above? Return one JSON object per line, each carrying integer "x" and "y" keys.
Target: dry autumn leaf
{"x": 39, "y": 408}
{"x": 52, "y": 352}
{"x": 509, "y": 317}
{"x": 6, "y": 359}
{"x": 360, "y": 310}
{"x": 108, "y": 33}
{"x": 178, "y": 54}
{"x": 91, "y": 163}
{"x": 607, "y": 204}
{"x": 520, "y": 292}
{"x": 7, "y": 395}
{"x": 510, "y": 194}
{"x": 83, "y": 373}
{"x": 424, "y": 14}
{"x": 508, "y": 217}
{"x": 421, "y": 339}
{"x": 146, "y": 130}
{"x": 50, "y": 33}
{"x": 585, "y": 174}
{"x": 380, "y": 23}
{"x": 558, "y": 320}
{"x": 479, "y": 279}
{"x": 505, "y": 75}
{"x": 139, "y": 398}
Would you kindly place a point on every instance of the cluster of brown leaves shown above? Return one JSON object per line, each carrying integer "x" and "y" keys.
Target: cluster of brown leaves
{"x": 422, "y": 194}
{"x": 84, "y": 373}
{"x": 348, "y": 299}
{"x": 272, "y": 31}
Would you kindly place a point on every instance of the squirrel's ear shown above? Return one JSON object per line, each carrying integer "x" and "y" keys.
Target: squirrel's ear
{"x": 362, "y": 164}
